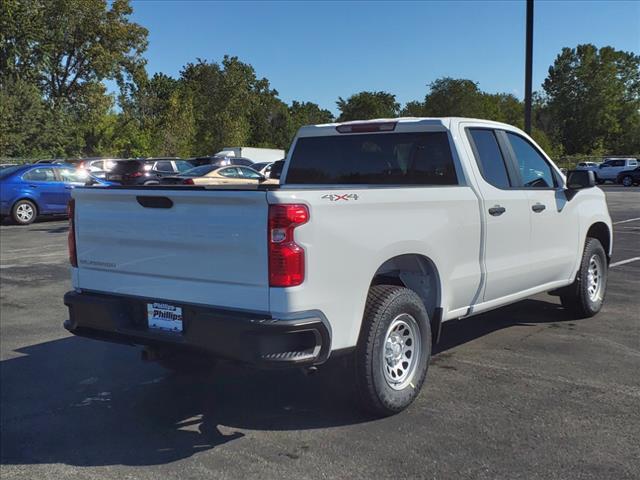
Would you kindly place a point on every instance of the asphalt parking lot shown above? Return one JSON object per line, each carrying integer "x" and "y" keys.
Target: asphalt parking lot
{"x": 520, "y": 392}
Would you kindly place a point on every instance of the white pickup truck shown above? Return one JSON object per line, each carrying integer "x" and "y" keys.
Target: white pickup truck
{"x": 379, "y": 232}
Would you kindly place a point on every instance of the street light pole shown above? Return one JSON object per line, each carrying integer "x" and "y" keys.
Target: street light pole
{"x": 527, "y": 68}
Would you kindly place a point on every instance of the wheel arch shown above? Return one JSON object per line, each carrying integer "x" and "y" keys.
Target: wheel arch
{"x": 601, "y": 232}
{"x": 416, "y": 272}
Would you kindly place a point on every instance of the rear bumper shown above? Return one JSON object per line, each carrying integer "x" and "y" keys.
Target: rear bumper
{"x": 251, "y": 338}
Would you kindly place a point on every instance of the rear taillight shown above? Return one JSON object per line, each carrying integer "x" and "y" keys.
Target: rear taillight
{"x": 286, "y": 257}
{"x": 135, "y": 175}
{"x": 188, "y": 181}
{"x": 71, "y": 236}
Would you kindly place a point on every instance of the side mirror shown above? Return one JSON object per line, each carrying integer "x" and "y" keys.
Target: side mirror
{"x": 579, "y": 180}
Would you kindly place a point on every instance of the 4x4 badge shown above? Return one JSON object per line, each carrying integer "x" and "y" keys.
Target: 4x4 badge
{"x": 334, "y": 197}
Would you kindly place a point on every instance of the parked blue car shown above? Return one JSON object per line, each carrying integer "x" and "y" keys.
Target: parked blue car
{"x": 28, "y": 191}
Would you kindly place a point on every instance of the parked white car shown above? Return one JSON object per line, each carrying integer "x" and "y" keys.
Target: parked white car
{"x": 379, "y": 232}
{"x": 611, "y": 167}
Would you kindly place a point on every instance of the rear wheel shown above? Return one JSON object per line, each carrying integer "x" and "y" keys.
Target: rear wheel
{"x": 393, "y": 350}
{"x": 24, "y": 212}
{"x": 627, "y": 181}
{"x": 585, "y": 296}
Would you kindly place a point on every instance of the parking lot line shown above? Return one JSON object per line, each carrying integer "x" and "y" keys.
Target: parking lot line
{"x": 623, "y": 262}
{"x": 627, "y": 221}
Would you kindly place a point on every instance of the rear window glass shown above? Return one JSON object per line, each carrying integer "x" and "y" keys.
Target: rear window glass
{"x": 421, "y": 158}
{"x": 6, "y": 171}
{"x": 127, "y": 166}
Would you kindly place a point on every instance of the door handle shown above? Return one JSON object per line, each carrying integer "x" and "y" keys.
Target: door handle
{"x": 538, "y": 207}
{"x": 497, "y": 210}
{"x": 33, "y": 186}
{"x": 68, "y": 187}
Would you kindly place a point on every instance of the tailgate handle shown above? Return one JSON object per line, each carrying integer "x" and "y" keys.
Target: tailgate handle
{"x": 154, "y": 202}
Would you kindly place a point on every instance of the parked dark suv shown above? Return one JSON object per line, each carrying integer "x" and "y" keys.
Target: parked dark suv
{"x": 146, "y": 171}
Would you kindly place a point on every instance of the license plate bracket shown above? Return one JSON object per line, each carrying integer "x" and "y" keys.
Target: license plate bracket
{"x": 164, "y": 317}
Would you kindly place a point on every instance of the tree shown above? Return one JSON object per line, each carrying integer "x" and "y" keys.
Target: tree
{"x": 459, "y": 97}
{"x": 368, "y": 105}
{"x": 307, "y": 113}
{"x": 25, "y": 122}
{"x": 593, "y": 100}
{"x": 451, "y": 97}
{"x": 62, "y": 44}
{"x": 60, "y": 51}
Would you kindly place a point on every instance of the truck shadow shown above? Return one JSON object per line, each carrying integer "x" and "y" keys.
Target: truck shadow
{"x": 86, "y": 403}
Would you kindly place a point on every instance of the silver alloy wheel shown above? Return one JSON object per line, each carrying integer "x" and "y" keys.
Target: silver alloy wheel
{"x": 401, "y": 352}
{"x": 25, "y": 212}
{"x": 627, "y": 181}
{"x": 595, "y": 278}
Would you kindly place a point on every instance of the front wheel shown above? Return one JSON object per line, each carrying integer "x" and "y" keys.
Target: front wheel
{"x": 585, "y": 296}
{"x": 393, "y": 350}
{"x": 627, "y": 181}
{"x": 24, "y": 212}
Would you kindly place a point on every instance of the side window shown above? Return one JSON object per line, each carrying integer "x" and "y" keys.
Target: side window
{"x": 40, "y": 175}
{"x": 69, "y": 175}
{"x": 534, "y": 169}
{"x": 248, "y": 173}
{"x": 164, "y": 166}
{"x": 489, "y": 157}
{"x": 229, "y": 172}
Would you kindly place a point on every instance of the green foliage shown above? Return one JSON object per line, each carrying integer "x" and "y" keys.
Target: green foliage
{"x": 452, "y": 97}
{"x": 593, "y": 99}
{"x": 368, "y": 105}
{"x": 54, "y": 55}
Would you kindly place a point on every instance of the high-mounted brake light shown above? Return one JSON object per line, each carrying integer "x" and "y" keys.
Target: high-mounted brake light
{"x": 367, "y": 127}
{"x": 71, "y": 236}
{"x": 286, "y": 257}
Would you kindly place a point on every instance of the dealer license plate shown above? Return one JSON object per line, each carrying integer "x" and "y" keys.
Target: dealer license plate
{"x": 162, "y": 316}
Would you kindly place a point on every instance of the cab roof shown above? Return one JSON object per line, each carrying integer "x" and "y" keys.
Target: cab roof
{"x": 401, "y": 123}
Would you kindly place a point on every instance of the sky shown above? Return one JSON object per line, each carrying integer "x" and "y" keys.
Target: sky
{"x": 319, "y": 51}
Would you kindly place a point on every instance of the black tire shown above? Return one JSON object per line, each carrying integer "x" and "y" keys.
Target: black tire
{"x": 19, "y": 212}
{"x": 628, "y": 179}
{"x": 578, "y": 298}
{"x": 387, "y": 304}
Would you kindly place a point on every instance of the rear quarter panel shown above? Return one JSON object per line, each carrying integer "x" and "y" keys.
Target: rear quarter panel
{"x": 14, "y": 189}
{"x": 346, "y": 241}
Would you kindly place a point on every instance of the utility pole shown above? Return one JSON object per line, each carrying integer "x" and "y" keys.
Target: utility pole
{"x": 527, "y": 68}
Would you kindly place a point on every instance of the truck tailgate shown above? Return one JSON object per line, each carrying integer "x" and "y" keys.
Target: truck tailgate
{"x": 199, "y": 246}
